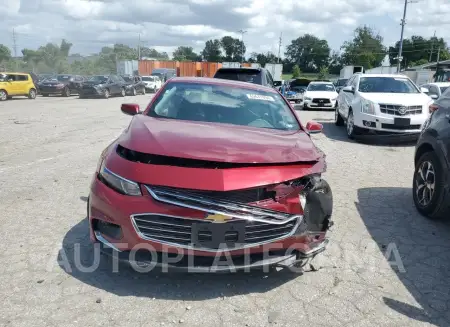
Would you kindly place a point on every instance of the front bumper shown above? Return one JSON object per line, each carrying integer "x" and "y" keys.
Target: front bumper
{"x": 50, "y": 90}
{"x": 310, "y": 105}
{"x": 383, "y": 123}
{"x": 91, "y": 92}
{"x": 113, "y": 209}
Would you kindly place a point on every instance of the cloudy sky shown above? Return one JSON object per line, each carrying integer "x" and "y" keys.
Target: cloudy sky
{"x": 166, "y": 24}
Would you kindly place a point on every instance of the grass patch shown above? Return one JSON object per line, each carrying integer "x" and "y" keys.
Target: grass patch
{"x": 308, "y": 75}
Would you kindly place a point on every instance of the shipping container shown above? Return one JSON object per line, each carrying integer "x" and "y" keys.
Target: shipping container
{"x": 208, "y": 69}
{"x": 276, "y": 70}
{"x": 146, "y": 66}
{"x": 348, "y": 71}
{"x": 127, "y": 67}
{"x": 186, "y": 68}
{"x": 231, "y": 64}
{"x": 382, "y": 70}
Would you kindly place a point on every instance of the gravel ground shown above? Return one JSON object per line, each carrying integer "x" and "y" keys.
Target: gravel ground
{"x": 385, "y": 266}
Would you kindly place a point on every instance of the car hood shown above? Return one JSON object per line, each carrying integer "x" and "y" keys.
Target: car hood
{"x": 403, "y": 99}
{"x": 217, "y": 142}
{"x": 320, "y": 94}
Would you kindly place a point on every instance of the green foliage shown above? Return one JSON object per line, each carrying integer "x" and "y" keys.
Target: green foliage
{"x": 308, "y": 52}
{"x": 366, "y": 49}
{"x": 323, "y": 73}
{"x": 263, "y": 58}
{"x": 212, "y": 51}
{"x": 183, "y": 53}
{"x": 296, "y": 71}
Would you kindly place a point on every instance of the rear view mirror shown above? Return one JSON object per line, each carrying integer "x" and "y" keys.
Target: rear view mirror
{"x": 130, "y": 109}
{"x": 313, "y": 128}
{"x": 434, "y": 96}
{"x": 424, "y": 90}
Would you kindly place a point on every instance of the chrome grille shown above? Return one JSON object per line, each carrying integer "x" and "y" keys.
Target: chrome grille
{"x": 172, "y": 230}
{"x": 203, "y": 202}
{"x": 395, "y": 110}
{"x": 320, "y": 100}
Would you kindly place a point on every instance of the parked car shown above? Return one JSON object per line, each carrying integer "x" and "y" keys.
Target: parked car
{"x": 435, "y": 90}
{"x": 164, "y": 74}
{"x": 152, "y": 83}
{"x": 16, "y": 84}
{"x": 135, "y": 84}
{"x": 42, "y": 77}
{"x": 103, "y": 86}
{"x": 260, "y": 76}
{"x": 61, "y": 84}
{"x": 432, "y": 162}
{"x": 319, "y": 95}
{"x": 340, "y": 83}
{"x": 381, "y": 103}
{"x": 236, "y": 172}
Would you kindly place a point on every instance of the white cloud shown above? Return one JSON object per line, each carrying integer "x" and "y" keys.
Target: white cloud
{"x": 165, "y": 24}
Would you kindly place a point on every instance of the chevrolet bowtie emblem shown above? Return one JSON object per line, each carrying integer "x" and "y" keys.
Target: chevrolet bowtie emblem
{"x": 216, "y": 218}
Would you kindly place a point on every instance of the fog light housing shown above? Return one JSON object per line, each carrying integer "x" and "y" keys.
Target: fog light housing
{"x": 369, "y": 123}
{"x": 108, "y": 229}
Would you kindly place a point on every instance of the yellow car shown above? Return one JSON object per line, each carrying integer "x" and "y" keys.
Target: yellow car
{"x": 16, "y": 84}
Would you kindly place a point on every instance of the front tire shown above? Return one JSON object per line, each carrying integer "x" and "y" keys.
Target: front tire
{"x": 106, "y": 94}
{"x": 66, "y": 92}
{"x": 123, "y": 92}
{"x": 143, "y": 91}
{"x": 134, "y": 92}
{"x": 3, "y": 95}
{"x": 352, "y": 130}
{"x": 430, "y": 195}
{"x": 32, "y": 94}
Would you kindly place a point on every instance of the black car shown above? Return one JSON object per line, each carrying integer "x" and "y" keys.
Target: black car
{"x": 103, "y": 86}
{"x": 259, "y": 76}
{"x": 62, "y": 84}
{"x": 135, "y": 85}
{"x": 431, "y": 192}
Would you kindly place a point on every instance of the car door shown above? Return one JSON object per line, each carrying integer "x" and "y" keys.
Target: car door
{"x": 22, "y": 84}
{"x": 114, "y": 84}
{"x": 344, "y": 99}
{"x": 12, "y": 84}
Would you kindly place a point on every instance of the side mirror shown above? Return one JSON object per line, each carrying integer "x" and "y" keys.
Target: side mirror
{"x": 313, "y": 127}
{"x": 130, "y": 109}
{"x": 424, "y": 90}
{"x": 434, "y": 96}
{"x": 348, "y": 88}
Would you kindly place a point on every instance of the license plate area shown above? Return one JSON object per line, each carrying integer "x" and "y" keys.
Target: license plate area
{"x": 402, "y": 121}
{"x": 217, "y": 235}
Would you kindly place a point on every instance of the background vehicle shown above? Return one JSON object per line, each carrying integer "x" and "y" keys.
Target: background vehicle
{"x": 443, "y": 75}
{"x": 319, "y": 95}
{"x": 183, "y": 145}
{"x": 152, "y": 83}
{"x": 103, "y": 86}
{"x": 276, "y": 70}
{"x": 64, "y": 85}
{"x": 135, "y": 84}
{"x": 164, "y": 74}
{"x": 432, "y": 162}
{"x": 381, "y": 103}
{"x": 340, "y": 83}
{"x": 16, "y": 84}
{"x": 260, "y": 76}
{"x": 436, "y": 89}
{"x": 348, "y": 71}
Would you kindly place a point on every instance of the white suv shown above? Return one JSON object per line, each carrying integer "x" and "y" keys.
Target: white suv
{"x": 381, "y": 103}
{"x": 319, "y": 95}
{"x": 152, "y": 83}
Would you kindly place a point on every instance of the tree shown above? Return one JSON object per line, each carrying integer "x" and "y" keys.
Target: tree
{"x": 263, "y": 58}
{"x": 366, "y": 49}
{"x": 234, "y": 49}
{"x": 416, "y": 51}
{"x": 212, "y": 51}
{"x": 152, "y": 53}
{"x": 308, "y": 52}
{"x": 183, "y": 53}
{"x": 323, "y": 73}
{"x": 335, "y": 63}
{"x": 296, "y": 71}
{"x": 5, "y": 53}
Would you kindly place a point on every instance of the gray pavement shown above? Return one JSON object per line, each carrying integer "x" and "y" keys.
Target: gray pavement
{"x": 386, "y": 265}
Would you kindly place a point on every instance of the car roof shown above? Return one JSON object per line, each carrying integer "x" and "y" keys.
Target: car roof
{"x": 320, "y": 82}
{"x": 219, "y": 81}
{"x": 241, "y": 68}
{"x": 382, "y": 75}
{"x": 439, "y": 83}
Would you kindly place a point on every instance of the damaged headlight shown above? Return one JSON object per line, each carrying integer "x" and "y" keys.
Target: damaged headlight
{"x": 118, "y": 183}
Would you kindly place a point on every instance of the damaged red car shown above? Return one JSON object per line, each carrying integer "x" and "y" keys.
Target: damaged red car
{"x": 214, "y": 175}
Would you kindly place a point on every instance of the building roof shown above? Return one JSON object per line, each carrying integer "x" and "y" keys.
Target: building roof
{"x": 431, "y": 65}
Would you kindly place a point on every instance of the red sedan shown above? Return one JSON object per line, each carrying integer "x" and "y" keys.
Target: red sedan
{"x": 213, "y": 175}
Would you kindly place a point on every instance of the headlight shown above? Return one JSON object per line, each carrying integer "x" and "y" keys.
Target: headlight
{"x": 367, "y": 107}
{"x": 120, "y": 184}
{"x": 307, "y": 98}
{"x": 333, "y": 99}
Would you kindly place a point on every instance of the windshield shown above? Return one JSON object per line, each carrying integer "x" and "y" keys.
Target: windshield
{"x": 98, "y": 79}
{"x": 321, "y": 87}
{"x": 249, "y": 76}
{"x": 224, "y": 104}
{"x": 127, "y": 79}
{"x": 341, "y": 82}
{"x": 443, "y": 88}
{"x": 386, "y": 85}
{"x": 149, "y": 78}
{"x": 62, "y": 78}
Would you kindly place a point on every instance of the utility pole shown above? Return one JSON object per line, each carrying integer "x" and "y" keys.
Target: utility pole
{"x": 15, "y": 46}
{"x": 139, "y": 47}
{"x": 242, "y": 45}
{"x": 437, "y": 61}
{"x": 432, "y": 44}
{"x": 279, "y": 46}
{"x": 403, "y": 23}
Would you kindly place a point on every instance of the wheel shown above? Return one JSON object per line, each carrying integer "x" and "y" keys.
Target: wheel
{"x": 3, "y": 95}
{"x": 352, "y": 130}
{"x": 32, "y": 94}
{"x": 338, "y": 118}
{"x": 134, "y": 91}
{"x": 106, "y": 95}
{"x": 66, "y": 92}
{"x": 305, "y": 107}
{"x": 429, "y": 193}
{"x": 143, "y": 91}
{"x": 123, "y": 92}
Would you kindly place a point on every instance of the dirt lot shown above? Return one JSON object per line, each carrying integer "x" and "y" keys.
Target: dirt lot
{"x": 49, "y": 148}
